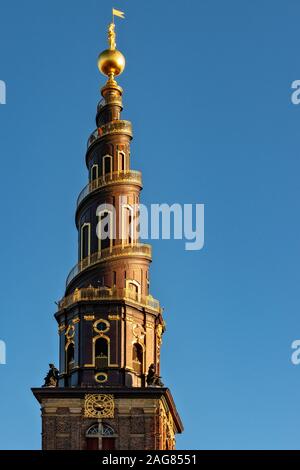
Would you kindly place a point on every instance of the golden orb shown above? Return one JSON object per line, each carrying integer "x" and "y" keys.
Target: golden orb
{"x": 111, "y": 62}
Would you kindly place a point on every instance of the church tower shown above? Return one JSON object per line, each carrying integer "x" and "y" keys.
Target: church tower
{"x": 107, "y": 393}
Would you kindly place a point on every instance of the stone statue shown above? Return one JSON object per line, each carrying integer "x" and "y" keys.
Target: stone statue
{"x": 153, "y": 380}
{"x": 51, "y": 379}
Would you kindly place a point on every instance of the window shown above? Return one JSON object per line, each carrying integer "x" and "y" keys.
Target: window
{"x": 85, "y": 240}
{"x": 94, "y": 172}
{"x": 121, "y": 162}
{"x": 101, "y": 353}
{"x": 106, "y": 232}
{"x": 100, "y": 436}
{"x": 137, "y": 358}
{"x": 114, "y": 205}
{"x": 114, "y": 278}
{"x": 127, "y": 225}
{"x": 133, "y": 289}
{"x": 105, "y": 221}
{"x": 70, "y": 358}
{"x": 106, "y": 165}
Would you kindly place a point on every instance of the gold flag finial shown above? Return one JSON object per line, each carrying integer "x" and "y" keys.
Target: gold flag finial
{"x": 111, "y": 62}
{"x": 118, "y": 13}
{"x": 111, "y": 29}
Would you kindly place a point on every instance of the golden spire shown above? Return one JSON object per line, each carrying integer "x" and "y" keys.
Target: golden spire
{"x": 111, "y": 62}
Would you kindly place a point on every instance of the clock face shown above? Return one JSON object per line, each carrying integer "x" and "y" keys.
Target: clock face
{"x": 99, "y": 406}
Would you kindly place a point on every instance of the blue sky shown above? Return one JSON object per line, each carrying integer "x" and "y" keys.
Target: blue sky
{"x": 207, "y": 88}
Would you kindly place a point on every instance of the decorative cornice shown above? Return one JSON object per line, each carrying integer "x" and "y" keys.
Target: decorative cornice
{"x": 128, "y": 393}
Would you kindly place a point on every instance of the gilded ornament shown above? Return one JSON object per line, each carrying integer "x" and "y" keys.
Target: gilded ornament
{"x": 99, "y": 406}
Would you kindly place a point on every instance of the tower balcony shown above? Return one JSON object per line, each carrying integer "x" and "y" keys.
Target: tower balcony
{"x": 123, "y": 177}
{"x": 104, "y": 294}
{"x": 114, "y": 127}
{"x": 139, "y": 249}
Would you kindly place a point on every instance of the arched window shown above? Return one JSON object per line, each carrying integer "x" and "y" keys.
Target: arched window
{"x": 70, "y": 358}
{"x": 137, "y": 358}
{"x": 101, "y": 353}
{"x": 147, "y": 282}
{"x": 121, "y": 161}
{"x": 85, "y": 245}
{"x": 100, "y": 436}
{"x": 94, "y": 172}
{"x": 105, "y": 230}
{"x": 133, "y": 289}
{"x": 106, "y": 165}
{"x": 127, "y": 225}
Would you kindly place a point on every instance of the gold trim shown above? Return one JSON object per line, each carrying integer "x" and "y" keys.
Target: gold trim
{"x": 121, "y": 177}
{"x": 118, "y": 126}
{"x": 114, "y": 317}
{"x": 106, "y": 295}
{"x": 101, "y": 332}
{"x": 89, "y": 317}
{"x": 109, "y": 366}
{"x": 76, "y": 320}
{"x": 135, "y": 249}
{"x": 69, "y": 336}
{"x": 102, "y": 381}
{"x": 70, "y": 341}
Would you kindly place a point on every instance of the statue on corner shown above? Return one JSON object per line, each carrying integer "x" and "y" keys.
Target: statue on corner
{"x": 153, "y": 380}
{"x": 51, "y": 379}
